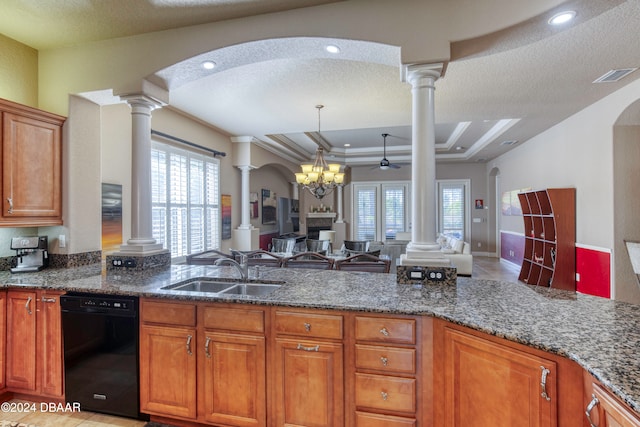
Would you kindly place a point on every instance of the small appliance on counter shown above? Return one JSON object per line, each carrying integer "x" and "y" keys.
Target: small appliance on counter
{"x": 31, "y": 253}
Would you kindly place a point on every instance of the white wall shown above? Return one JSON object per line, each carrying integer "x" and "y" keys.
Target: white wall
{"x": 577, "y": 152}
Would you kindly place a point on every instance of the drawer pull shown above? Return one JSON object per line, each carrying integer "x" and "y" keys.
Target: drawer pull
{"x": 10, "y": 201}
{"x": 384, "y": 395}
{"x": 384, "y": 361}
{"x": 45, "y": 299}
{"x": 543, "y": 383}
{"x": 315, "y": 348}
{"x": 206, "y": 348}
{"x": 592, "y": 404}
{"x": 307, "y": 327}
{"x": 384, "y": 332}
{"x": 189, "y": 338}
{"x": 28, "y": 305}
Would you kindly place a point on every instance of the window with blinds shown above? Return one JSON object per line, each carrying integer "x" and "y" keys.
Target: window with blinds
{"x": 185, "y": 199}
{"x": 452, "y": 208}
{"x": 380, "y": 210}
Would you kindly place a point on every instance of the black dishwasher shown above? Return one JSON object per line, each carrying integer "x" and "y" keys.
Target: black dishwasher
{"x": 101, "y": 352}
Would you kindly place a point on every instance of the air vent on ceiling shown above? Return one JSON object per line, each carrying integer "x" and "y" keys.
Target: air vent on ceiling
{"x": 614, "y": 75}
{"x": 509, "y": 142}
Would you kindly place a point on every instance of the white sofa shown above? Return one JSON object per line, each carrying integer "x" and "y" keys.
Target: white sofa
{"x": 459, "y": 252}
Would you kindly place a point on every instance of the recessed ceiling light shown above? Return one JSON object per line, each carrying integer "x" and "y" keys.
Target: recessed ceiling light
{"x": 459, "y": 148}
{"x": 347, "y": 145}
{"x": 562, "y": 17}
{"x": 332, "y": 48}
{"x": 208, "y": 65}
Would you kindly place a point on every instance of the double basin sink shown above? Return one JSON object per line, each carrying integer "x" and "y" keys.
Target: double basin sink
{"x": 224, "y": 287}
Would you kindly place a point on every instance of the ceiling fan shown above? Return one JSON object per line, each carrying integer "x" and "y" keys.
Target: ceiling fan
{"x": 384, "y": 163}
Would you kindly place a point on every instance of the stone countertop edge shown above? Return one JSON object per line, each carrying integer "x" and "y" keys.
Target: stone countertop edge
{"x": 601, "y": 335}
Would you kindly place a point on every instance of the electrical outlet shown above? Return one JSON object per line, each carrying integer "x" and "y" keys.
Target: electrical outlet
{"x": 577, "y": 277}
{"x": 62, "y": 241}
{"x": 116, "y": 262}
{"x": 130, "y": 263}
{"x": 417, "y": 274}
{"x": 435, "y": 274}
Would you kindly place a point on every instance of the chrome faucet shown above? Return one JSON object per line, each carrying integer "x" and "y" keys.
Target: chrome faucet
{"x": 242, "y": 266}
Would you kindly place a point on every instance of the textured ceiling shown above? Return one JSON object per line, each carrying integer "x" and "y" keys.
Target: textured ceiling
{"x": 506, "y": 86}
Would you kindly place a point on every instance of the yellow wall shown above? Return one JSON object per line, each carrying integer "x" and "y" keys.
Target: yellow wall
{"x": 18, "y": 72}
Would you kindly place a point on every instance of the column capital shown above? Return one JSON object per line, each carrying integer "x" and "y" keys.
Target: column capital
{"x": 246, "y": 168}
{"x": 415, "y": 73}
{"x": 140, "y": 100}
{"x": 238, "y": 139}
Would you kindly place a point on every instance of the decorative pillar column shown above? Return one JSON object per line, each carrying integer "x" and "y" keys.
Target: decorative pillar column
{"x": 423, "y": 244}
{"x": 295, "y": 190}
{"x": 339, "y": 197}
{"x": 246, "y": 237}
{"x": 245, "y": 223}
{"x": 141, "y": 250}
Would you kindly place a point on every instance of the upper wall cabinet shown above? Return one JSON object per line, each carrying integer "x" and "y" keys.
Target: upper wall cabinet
{"x": 31, "y": 166}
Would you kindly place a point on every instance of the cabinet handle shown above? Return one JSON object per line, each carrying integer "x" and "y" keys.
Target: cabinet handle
{"x": 307, "y": 327}
{"x": 28, "y": 305}
{"x": 592, "y": 404}
{"x": 315, "y": 348}
{"x": 45, "y": 299}
{"x": 384, "y": 331}
{"x": 384, "y": 360}
{"x": 10, "y": 200}
{"x": 206, "y": 347}
{"x": 384, "y": 395}
{"x": 543, "y": 382}
{"x": 189, "y": 338}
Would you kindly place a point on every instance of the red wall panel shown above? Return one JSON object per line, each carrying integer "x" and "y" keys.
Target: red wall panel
{"x": 265, "y": 240}
{"x": 512, "y": 247}
{"x": 594, "y": 268}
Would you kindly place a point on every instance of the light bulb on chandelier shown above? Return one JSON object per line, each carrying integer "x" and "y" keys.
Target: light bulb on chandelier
{"x": 320, "y": 178}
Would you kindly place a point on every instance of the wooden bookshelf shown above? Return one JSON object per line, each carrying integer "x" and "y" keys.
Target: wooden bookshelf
{"x": 550, "y": 233}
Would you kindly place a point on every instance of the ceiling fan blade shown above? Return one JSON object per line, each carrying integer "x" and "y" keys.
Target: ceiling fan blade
{"x": 394, "y": 166}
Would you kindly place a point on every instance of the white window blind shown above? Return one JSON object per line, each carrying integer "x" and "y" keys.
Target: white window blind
{"x": 185, "y": 199}
{"x": 452, "y": 209}
{"x": 380, "y": 210}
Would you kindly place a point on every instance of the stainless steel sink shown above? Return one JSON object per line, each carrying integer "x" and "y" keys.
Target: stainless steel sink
{"x": 209, "y": 286}
{"x": 251, "y": 289}
{"x": 224, "y": 286}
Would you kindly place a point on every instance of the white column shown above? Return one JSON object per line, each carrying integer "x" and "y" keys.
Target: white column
{"x": 141, "y": 217}
{"x": 245, "y": 223}
{"x": 423, "y": 158}
{"x": 295, "y": 190}
{"x": 339, "y": 197}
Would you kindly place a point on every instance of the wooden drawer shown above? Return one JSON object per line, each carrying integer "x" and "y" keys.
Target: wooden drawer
{"x": 386, "y": 393}
{"x": 386, "y": 329}
{"x": 386, "y": 359}
{"x": 168, "y": 313}
{"x": 365, "y": 419}
{"x": 308, "y": 325}
{"x": 234, "y": 319}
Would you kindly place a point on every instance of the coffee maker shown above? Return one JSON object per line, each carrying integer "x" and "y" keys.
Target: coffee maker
{"x": 31, "y": 253}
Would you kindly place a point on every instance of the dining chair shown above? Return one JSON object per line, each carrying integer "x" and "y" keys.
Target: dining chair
{"x": 364, "y": 262}
{"x": 261, "y": 257}
{"x": 321, "y": 246}
{"x": 312, "y": 260}
{"x": 356, "y": 245}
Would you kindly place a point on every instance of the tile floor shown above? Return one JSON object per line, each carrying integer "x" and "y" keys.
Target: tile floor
{"x": 483, "y": 268}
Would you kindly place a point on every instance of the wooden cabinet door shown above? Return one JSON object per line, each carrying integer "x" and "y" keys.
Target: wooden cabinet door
{"x": 3, "y": 337}
{"x": 234, "y": 379}
{"x": 31, "y": 168}
{"x": 21, "y": 340}
{"x": 50, "y": 363}
{"x": 607, "y": 411}
{"x": 490, "y": 385}
{"x": 309, "y": 386}
{"x": 168, "y": 371}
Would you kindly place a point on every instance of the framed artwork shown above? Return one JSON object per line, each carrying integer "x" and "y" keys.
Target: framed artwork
{"x": 269, "y": 207}
{"x": 479, "y": 204}
{"x": 511, "y": 202}
{"x": 225, "y": 204}
{"x": 253, "y": 205}
{"x": 111, "y": 218}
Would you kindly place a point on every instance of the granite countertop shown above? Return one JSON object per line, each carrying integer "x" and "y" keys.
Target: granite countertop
{"x": 601, "y": 335}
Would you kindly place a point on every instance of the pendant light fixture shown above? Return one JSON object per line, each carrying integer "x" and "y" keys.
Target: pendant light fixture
{"x": 320, "y": 178}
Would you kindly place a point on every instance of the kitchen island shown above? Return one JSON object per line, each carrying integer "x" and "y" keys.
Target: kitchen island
{"x": 601, "y": 336}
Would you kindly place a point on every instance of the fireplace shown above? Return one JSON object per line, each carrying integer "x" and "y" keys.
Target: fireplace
{"x": 315, "y": 224}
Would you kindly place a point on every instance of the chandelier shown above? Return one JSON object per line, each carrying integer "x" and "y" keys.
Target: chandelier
{"x": 320, "y": 178}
